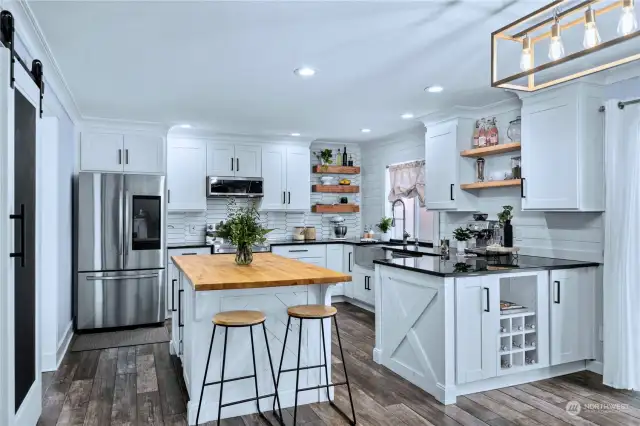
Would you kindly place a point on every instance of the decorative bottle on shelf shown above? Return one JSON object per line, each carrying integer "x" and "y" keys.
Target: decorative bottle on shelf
{"x": 345, "y": 159}
{"x": 482, "y": 134}
{"x": 476, "y": 134}
{"x": 350, "y": 163}
{"x": 339, "y": 158}
{"x": 508, "y": 234}
{"x": 493, "y": 132}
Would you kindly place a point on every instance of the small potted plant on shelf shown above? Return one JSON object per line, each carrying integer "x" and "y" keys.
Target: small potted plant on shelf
{"x": 385, "y": 226}
{"x": 505, "y": 217}
{"x": 462, "y": 235}
{"x": 243, "y": 230}
{"x": 325, "y": 157}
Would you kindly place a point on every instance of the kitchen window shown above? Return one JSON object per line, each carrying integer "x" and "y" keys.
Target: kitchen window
{"x": 422, "y": 224}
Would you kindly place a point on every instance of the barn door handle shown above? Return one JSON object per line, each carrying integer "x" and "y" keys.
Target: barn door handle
{"x": 19, "y": 217}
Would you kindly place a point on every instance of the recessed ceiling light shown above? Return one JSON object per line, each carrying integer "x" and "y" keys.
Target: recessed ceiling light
{"x": 434, "y": 89}
{"x": 185, "y": 126}
{"x": 304, "y": 72}
{"x": 365, "y": 130}
{"x": 407, "y": 116}
{"x": 295, "y": 134}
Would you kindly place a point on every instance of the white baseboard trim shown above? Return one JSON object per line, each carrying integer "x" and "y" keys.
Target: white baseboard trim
{"x": 49, "y": 361}
{"x": 338, "y": 299}
{"x": 359, "y": 304}
{"x": 595, "y": 366}
{"x": 31, "y": 408}
{"x": 377, "y": 355}
{"x": 64, "y": 343}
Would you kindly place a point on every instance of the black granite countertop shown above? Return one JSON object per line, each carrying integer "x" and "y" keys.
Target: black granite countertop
{"x": 289, "y": 242}
{"x": 396, "y": 246}
{"x": 453, "y": 266}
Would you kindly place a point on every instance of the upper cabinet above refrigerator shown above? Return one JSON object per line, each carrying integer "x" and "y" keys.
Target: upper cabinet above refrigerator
{"x": 117, "y": 152}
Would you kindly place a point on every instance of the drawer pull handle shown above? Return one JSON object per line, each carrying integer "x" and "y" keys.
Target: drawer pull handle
{"x": 298, "y": 251}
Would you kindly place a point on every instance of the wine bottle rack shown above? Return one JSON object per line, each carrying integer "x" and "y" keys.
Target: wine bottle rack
{"x": 517, "y": 342}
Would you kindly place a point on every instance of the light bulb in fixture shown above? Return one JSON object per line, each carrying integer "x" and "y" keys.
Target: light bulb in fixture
{"x": 556, "y": 47}
{"x": 526, "y": 58}
{"x": 628, "y": 22}
{"x": 591, "y": 34}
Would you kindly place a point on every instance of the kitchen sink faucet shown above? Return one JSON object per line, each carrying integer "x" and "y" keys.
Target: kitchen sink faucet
{"x": 405, "y": 235}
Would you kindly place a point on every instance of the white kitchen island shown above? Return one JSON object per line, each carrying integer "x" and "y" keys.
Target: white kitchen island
{"x": 439, "y": 323}
{"x": 210, "y": 284}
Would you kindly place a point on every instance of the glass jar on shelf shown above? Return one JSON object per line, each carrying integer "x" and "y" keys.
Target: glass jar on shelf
{"x": 516, "y": 169}
{"x": 514, "y": 130}
{"x": 480, "y": 170}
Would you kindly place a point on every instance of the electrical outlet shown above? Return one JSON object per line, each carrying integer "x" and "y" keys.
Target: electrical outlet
{"x": 193, "y": 228}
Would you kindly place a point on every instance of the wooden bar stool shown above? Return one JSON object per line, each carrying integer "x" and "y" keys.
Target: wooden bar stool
{"x": 315, "y": 312}
{"x": 236, "y": 319}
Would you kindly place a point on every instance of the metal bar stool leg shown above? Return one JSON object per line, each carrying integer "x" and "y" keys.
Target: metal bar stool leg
{"x": 255, "y": 371}
{"x": 273, "y": 375}
{"x": 344, "y": 366}
{"x": 284, "y": 347}
{"x": 224, "y": 359}
{"x": 206, "y": 370}
{"x": 326, "y": 362}
{"x": 295, "y": 408}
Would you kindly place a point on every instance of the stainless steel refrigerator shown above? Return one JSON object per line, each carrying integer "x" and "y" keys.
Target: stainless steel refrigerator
{"x": 120, "y": 250}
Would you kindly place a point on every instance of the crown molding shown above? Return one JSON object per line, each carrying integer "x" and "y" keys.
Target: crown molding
{"x": 472, "y": 112}
{"x": 210, "y": 135}
{"x": 30, "y": 34}
{"x": 123, "y": 126}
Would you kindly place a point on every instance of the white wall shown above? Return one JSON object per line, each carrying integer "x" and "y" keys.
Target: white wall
{"x": 282, "y": 223}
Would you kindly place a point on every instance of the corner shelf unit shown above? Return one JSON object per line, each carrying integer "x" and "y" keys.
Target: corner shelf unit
{"x": 491, "y": 150}
{"x": 339, "y": 189}
{"x": 339, "y": 170}
{"x": 335, "y": 208}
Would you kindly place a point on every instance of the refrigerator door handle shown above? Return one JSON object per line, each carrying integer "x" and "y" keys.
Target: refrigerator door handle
{"x": 122, "y": 277}
{"x": 126, "y": 227}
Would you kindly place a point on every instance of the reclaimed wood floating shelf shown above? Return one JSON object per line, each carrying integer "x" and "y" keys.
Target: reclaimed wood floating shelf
{"x": 340, "y": 170}
{"x": 492, "y": 184}
{"x": 336, "y": 208}
{"x": 491, "y": 150}
{"x": 341, "y": 189}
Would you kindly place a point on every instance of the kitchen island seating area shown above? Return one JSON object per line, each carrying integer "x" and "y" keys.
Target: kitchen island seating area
{"x": 210, "y": 286}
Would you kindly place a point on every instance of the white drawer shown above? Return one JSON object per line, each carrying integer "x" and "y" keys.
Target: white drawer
{"x": 301, "y": 250}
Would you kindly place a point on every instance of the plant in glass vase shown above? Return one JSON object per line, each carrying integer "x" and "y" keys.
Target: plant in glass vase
{"x": 325, "y": 157}
{"x": 462, "y": 235}
{"x": 385, "y": 226}
{"x": 243, "y": 230}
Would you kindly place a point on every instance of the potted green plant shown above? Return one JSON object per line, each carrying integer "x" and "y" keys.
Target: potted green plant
{"x": 505, "y": 217}
{"x": 243, "y": 230}
{"x": 385, "y": 226}
{"x": 325, "y": 157}
{"x": 462, "y": 235}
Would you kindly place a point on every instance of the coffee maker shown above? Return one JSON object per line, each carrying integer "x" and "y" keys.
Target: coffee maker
{"x": 485, "y": 232}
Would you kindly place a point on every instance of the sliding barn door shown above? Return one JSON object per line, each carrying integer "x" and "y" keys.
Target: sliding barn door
{"x": 20, "y": 369}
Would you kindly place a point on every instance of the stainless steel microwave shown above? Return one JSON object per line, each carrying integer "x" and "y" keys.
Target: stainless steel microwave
{"x": 234, "y": 187}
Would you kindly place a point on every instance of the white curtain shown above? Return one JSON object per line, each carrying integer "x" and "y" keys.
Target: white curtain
{"x": 621, "y": 307}
{"x": 407, "y": 181}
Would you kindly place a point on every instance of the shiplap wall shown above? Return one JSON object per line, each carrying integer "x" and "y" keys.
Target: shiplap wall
{"x": 577, "y": 236}
{"x": 179, "y": 224}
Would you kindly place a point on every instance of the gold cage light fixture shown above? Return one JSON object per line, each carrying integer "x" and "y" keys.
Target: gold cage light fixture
{"x": 557, "y": 21}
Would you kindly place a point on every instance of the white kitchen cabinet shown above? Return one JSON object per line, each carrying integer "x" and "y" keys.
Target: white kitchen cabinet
{"x": 101, "y": 152}
{"x": 117, "y": 152}
{"x": 335, "y": 263}
{"x": 220, "y": 159}
{"x": 144, "y": 154}
{"x": 477, "y": 325}
{"x": 225, "y": 159}
{"x": 364, "y": 285}
{"x": 572, "y": 315}
{"x": 347, "y": 268}
{"x": 443, "y": 170}
{"x": 287, "y": 178}
{"x": 248, "y": 161}
{"x": 563, "y": 149}
{"x": 174, "y": 296}
{"x": 186, "y": 175}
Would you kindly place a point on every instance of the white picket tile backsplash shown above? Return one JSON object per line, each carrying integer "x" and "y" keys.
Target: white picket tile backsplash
{"x": 282, "y": 223}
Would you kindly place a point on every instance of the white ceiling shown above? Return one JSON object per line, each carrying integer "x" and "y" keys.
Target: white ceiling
{"x": 229, "y": 66}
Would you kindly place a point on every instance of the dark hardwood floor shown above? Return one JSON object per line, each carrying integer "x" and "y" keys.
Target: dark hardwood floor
{"x": 139, "y": 386}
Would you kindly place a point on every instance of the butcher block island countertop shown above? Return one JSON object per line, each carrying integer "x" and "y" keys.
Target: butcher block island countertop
{"x": 220, "y": 272}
